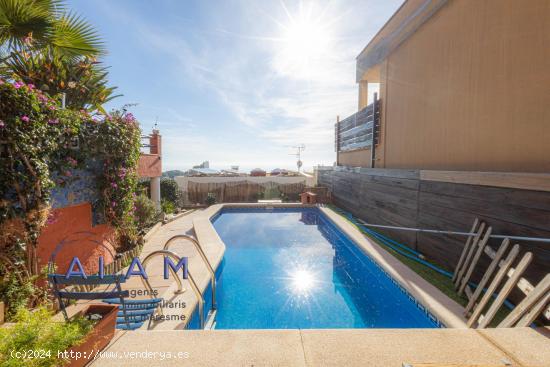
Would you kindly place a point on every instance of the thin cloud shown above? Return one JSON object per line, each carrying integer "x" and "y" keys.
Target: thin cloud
{"x": 254, "y": 64}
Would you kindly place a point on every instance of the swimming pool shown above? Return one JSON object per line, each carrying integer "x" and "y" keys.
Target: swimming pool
{"x": 290, "y": 268}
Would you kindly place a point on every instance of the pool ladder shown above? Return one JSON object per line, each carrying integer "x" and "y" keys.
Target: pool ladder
{"x": 199, "y": 249}
{"x": 166, "y": 252}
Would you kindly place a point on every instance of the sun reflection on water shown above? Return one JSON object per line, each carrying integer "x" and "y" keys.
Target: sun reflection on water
{"x": 302, "y": 281}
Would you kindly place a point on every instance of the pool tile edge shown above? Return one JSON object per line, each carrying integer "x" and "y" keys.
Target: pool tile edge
{"x": 444, "y": 308}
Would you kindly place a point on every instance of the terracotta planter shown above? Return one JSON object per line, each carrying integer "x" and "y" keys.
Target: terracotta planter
{"x": 98, "y": 338}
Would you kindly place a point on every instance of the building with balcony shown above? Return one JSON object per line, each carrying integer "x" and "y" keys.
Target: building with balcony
{"x": 463, "y": 86}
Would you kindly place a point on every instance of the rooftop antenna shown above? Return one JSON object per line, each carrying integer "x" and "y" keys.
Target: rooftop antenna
{"x": 299, "y": 149}
{"x": 156, "y": 123}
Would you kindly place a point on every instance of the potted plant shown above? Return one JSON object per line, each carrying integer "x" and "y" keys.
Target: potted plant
{"x": 37, "y": 337}
{"x": 103, "y": 331}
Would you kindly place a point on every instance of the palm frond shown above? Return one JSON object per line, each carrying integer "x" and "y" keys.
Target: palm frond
{"x": 74, "y": 36}
{"x": 36, "y": 24}
{"x": 21, "y": 18}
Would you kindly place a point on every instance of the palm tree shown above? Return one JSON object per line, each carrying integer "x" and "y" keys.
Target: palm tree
{"x": 27, "y": 25}
{"x": 44, "y": 44}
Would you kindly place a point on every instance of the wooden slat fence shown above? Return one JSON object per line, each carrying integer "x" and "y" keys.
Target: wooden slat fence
{"x": 242, "y": 191}
{"x": 359, "y": 130}
{"x": 499, "y": 279}
{"x": 400, "y": 197}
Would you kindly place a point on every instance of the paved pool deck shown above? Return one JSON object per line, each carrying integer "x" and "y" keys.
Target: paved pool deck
{"x": 343, "y": 348}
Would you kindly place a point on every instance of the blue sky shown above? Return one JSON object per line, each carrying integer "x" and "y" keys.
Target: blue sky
{"x": 237, "y": 82}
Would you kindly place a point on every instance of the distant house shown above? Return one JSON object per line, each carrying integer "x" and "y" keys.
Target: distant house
{"x": 202, "y": 172}
{"x": 463, "y": 85}
{"x": 232, "y": 172}
{"x": 257, "y": 172}
{"x": 279, "y": 172}
{"x": 205, "y": 164}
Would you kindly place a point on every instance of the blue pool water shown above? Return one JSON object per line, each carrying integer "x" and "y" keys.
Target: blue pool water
{"x": 293, "y": 268}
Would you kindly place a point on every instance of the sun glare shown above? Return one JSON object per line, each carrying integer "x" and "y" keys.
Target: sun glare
{"x": 302, "y": 281}
{"x": 305, "y": 39}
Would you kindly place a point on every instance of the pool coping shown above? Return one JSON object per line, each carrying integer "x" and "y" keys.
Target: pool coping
{"x": 334, "y": 347}
{"x": 446, "y": 310}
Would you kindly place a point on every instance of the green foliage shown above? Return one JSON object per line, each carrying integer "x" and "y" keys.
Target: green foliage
{"x": 117, "y": 140}
{"x": 38, "y": 332}
{"x": 210, "y": 199}
{"x": 39, "y": 139}
{"x": 83, "y": 80}
{"x": 36, "y": 140}
{"x": 143, "y": 187}
{"x": 168, "y": 207}
{"x": 172, "y": 173}
{"x": 145, "y": 214}
{"x": 169, "y": 190}
{"x": 15, "y": 292}
{"x": 271, "y": 193}
{"x": 46, "y": 24}
{"x": 54, "y": 49}
{"x": 290, "y": 197}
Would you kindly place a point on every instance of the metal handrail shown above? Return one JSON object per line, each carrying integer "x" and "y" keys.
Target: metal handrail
{"x": 194, "y": 286}
{"x": 204, "y": 258}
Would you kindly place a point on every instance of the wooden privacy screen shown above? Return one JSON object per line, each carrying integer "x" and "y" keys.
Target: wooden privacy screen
{"x": 242, "y": 191}
{"x": 359, "y": 130}
{"x": 501, "y": 269}
{"x": 407, "y": 198}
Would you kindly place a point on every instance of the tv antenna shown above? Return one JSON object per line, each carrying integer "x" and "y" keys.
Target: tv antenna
{"x": 299, "y": 149}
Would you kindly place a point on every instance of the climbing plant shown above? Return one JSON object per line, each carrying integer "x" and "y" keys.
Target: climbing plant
{"x": 39, "y": 140}
{"x": 32, "y": 131}
{"x": 117, "y": 139}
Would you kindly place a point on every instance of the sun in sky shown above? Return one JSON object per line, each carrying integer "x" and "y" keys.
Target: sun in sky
{"x": 305, "y": 39}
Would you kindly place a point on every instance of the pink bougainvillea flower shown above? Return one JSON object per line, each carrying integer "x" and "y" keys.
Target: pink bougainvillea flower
{"x": 113, "y": 184}
{"x": 2, "y": 124}
{"x": 42, "y": 98}
{"x": 113, "y": 203}
{"x": 53, "y": 121}
{"x": 68, "y": 173}
{"x": 25, "y": 118}
{"x": 52, "y": 107}
{"x": 2, "y": 81}
{"x": 122, "y": 173}
{"x": 52, "y": 217}
{"x": 18, "y": 85}
{"x": 72, "y": 161}
{"x": 31, "y": 86}
{"x": 130, "y": 117}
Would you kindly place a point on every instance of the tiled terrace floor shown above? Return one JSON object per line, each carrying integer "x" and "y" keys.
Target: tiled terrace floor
{"x": 348, "y": 347}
